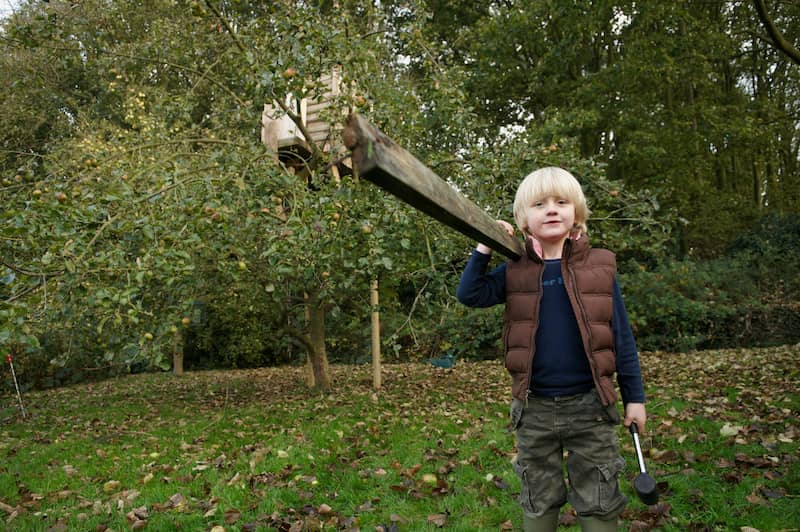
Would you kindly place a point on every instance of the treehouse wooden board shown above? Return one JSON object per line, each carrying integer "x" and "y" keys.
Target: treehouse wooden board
{"x": 382, "y": 161}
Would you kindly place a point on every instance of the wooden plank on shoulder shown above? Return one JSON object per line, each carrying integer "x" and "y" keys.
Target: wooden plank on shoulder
{"x": 382, "y": 161}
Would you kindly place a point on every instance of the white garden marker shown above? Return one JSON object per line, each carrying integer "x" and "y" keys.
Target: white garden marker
{"x": 14, "y": 374}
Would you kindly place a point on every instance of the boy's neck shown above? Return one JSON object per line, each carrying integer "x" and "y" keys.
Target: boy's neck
{"x": 552, "y": 250}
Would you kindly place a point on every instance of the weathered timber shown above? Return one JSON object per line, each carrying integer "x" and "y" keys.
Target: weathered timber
{"x": 382, "y": 161}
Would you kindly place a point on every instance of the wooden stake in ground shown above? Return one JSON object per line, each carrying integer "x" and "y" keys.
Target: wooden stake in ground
{"x": 382, "y": 161}
{"x": 376, "y": 334}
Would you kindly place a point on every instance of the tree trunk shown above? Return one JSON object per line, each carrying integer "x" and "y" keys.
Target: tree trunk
{"x": 757, "y": 186}
{"x": 318, "y": 355}
{"x": 177, "y": 354}
{"x": 310, "y": 381}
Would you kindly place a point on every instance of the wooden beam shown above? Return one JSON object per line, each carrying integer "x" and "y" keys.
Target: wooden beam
{"x": 382, "y": 161}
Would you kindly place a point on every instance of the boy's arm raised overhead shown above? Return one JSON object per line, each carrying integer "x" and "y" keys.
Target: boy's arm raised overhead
{"x": 478, "y": 288}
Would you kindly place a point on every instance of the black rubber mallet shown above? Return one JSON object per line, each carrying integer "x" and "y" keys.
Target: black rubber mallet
{"x": 644, "y": 484}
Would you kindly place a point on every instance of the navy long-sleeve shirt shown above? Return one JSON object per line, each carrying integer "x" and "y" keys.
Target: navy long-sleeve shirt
{"x": 560, "y": 365}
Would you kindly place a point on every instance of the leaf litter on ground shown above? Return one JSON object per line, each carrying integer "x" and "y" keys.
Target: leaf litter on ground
{"x": 254, "y": 448}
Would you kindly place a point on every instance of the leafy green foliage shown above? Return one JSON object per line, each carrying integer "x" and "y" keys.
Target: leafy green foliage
{"x": 746, "y": 298}
{"x": 471, "y": 334}
{"x": 772, "y": 246}
{"x": 135, "y": 191}
{"x": 686, "y": 305}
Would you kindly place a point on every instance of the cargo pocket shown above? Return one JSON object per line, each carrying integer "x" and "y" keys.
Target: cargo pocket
{"x": 611, "y": 498}
{"x": 525, "y": 499}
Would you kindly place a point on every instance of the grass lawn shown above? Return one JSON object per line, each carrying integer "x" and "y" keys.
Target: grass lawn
{"x": 252, "y": 450}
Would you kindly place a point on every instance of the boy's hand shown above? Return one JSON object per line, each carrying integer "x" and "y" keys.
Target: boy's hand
{"x": 486, "y": 250}
{"x": 635, "y": 412}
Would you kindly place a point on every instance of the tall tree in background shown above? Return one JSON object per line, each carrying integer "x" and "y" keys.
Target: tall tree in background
{"x": 683, "y": 99}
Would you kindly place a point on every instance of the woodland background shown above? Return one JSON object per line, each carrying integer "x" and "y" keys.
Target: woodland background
{"x": 141, "y": 215}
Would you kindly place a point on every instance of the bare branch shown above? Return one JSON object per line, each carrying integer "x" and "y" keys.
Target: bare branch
{"x": 411, "y": 313}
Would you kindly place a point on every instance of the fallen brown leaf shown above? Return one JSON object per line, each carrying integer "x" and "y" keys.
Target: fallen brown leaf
{"x": 439, "y": 520}
{"x": 755, "y": 499}
{"x": 231, "y": 516}
{"x": 111, "y": 486}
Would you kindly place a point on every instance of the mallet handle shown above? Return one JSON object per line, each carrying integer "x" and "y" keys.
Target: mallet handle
{"x": 639, "y": 456}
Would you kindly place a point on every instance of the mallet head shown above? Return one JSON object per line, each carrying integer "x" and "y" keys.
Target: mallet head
{"x": 646, "y": 489}
{"x": 643, "y": 484}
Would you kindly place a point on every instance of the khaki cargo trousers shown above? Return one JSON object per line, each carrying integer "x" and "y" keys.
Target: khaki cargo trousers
{"x": 580, "y": 425}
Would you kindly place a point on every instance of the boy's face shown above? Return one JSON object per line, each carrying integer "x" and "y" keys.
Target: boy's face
{"x": 550, "y": 219}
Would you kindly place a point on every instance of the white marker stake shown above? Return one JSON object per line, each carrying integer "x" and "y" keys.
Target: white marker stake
{"x": 14, "y": 374}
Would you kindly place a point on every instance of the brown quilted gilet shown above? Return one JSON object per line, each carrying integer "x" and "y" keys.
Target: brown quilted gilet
{"x": 589, "y": 279}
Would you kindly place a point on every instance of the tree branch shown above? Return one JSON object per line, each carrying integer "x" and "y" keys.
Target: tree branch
{"x": 30, "y": 273}
{"x": 317, "y": 155}
{"x": 411, "y": 313}
{"x": 296, "y": 336}
{"x": 227, "y": 25}
{"x": 28, "y": 290}
{"x": 198, "y": 140}
{"x": 776, "y": 37}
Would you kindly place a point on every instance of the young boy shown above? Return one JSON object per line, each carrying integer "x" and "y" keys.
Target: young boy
{"x": 565, "y": 334}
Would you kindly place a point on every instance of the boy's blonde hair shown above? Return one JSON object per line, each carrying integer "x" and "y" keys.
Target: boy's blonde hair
{"x": 547, "y": 182}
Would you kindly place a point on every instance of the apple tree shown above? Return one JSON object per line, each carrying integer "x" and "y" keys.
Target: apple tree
{"x": 138, "y": 186}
